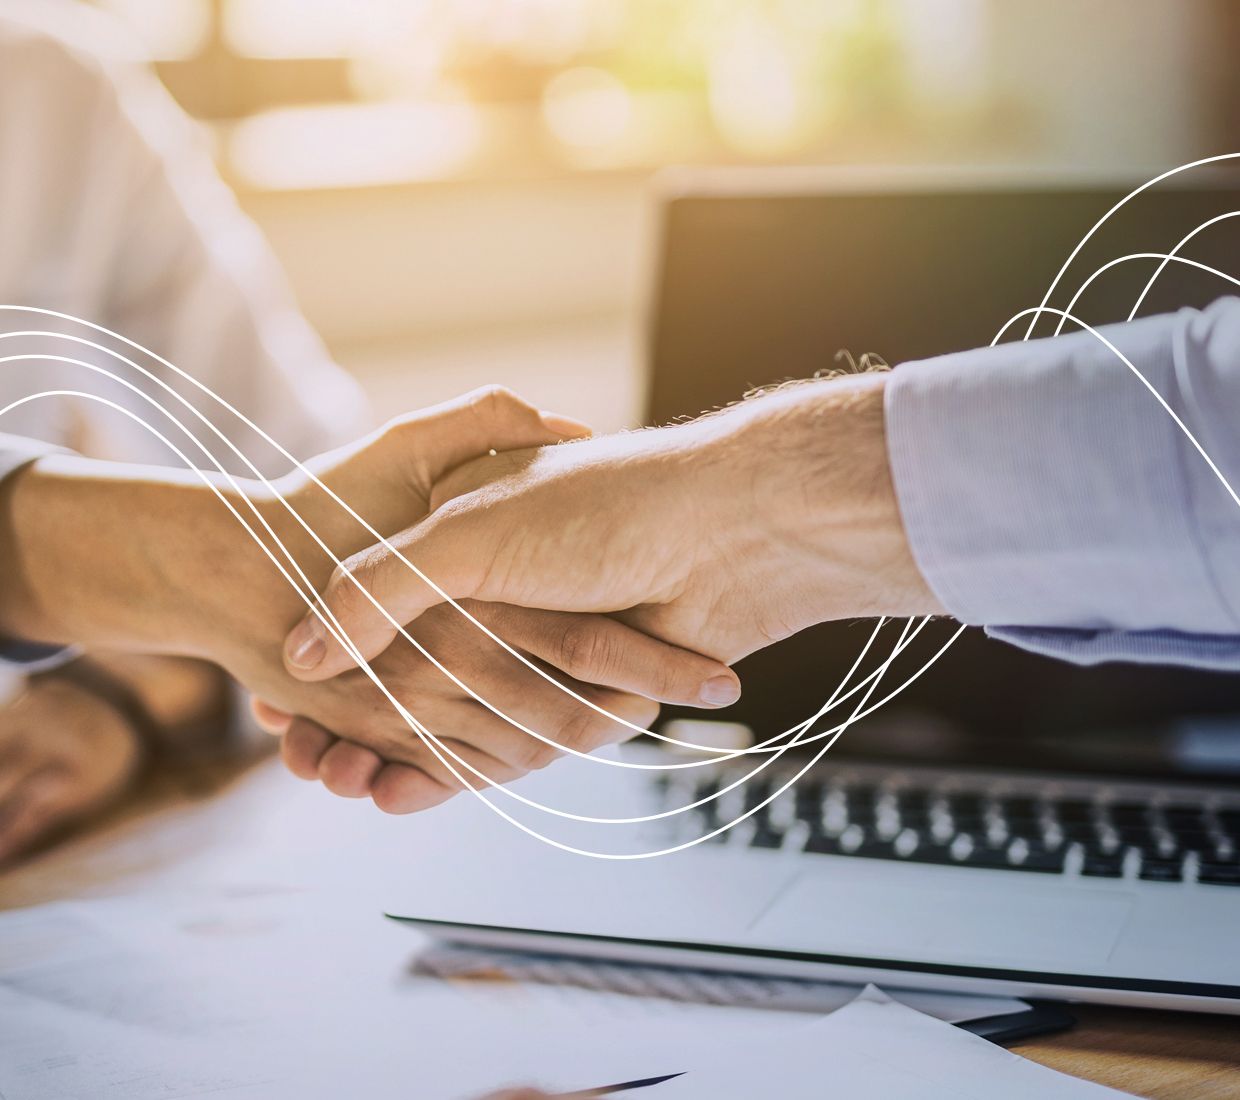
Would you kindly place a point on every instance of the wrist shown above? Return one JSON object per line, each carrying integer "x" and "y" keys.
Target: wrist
{"x": 117, "y": 556}
{"x": 822, "y": 492}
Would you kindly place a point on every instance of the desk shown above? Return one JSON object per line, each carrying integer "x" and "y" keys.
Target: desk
{"x": 179, "y": 827}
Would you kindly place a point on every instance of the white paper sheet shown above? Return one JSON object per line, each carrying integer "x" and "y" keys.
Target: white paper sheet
{"x": 878, "y": 1049}
{"x": 282, "y": 993}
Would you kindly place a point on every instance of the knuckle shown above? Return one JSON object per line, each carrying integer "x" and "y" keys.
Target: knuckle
{"x": 492, "y": 398}
{"x": 352, "y": 585}
{"x": 645, "y": 711}
{"x": 342, "y": 607}
{"x": 585, "y": 730}
{"x": 585, "y": 651}
{"x": 496, "y": 405}
{"x": 536, "y": 755}
{"x": 340, "y": 586}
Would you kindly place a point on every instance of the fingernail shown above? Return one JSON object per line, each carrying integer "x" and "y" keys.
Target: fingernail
{"x": 720, "y": 691}
{"x": 305, "y": 646}
{"x": 564, "y": 426}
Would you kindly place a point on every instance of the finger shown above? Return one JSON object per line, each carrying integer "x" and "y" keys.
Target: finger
{"x": 303, "y": 746}
{"x": 491, "y": 418}
{"x": 13, "y": 798}
{"x": 435, "y": 440}
{"x": 563, "y": 723}
{"x": 595, "y": 649}
{"x": 488, "y": 769}
{"x": 583, "y": 729}
{"x": 453, "y": 547}
{"x": 268, "y": 718}
{"x": 490, "y": 743}
{"x": 480, "y": 741}
{"x": 404, "y": 789}
{"x": 14, "y": 771}
{"x": 480, "y": 472}
{"x": 31, "y": 812}
{"x": 348, "y": 769}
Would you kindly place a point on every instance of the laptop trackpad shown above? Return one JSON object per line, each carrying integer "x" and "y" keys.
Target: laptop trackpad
{"x": 1011, "y": 924}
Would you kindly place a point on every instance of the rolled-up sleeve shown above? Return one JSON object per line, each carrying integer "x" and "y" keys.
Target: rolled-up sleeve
{"x": 1050, "y": 496}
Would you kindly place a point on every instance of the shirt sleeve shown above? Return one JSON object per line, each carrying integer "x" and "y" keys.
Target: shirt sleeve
{"x": 115, "y": 214}
{"x": 1073, "y": 495}
{"x": 18, "y": 657}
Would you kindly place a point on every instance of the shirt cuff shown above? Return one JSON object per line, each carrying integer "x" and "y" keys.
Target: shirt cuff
{"x": 1145, "y": 647}
{"x": 18, "y": 657}
{"x": 1041, "y": 484}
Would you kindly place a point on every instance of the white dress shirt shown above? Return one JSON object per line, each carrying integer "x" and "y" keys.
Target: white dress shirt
{"x": 1049, "y": 497}
{"x": 110, "y": 210}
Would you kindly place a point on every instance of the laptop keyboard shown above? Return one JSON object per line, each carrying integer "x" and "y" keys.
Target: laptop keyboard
{"x": 1155, "y": 838}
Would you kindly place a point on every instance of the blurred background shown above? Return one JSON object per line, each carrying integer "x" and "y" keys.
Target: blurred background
{"x": 459, "y": 189}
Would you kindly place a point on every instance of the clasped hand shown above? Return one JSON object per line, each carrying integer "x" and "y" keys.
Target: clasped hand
{"x": 703, "y": 541}
{"x": 347, "y": 733}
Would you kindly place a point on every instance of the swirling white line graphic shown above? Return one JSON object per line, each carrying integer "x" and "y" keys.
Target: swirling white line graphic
{"x": 770, "y": 746}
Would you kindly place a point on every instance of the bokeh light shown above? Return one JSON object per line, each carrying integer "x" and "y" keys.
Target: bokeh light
{"x": 587, "y": 108}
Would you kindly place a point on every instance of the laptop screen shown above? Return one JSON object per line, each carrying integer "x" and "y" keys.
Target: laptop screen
{"x": 762, "y": 278}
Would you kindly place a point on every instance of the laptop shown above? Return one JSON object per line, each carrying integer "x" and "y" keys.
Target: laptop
{"x": 1008, "y": 824}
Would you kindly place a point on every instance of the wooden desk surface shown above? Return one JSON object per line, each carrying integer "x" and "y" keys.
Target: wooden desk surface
{"x": 1164, "y": 1055}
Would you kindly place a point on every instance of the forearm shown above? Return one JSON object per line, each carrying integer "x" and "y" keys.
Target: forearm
{"x": 104, "y": 554}
{"x": 718, "y": 536}
{"x": 176, "y": 692}
{"x": 831, "y": 526}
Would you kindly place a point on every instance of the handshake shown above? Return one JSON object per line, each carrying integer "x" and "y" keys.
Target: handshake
{"x": 511, "y": 585}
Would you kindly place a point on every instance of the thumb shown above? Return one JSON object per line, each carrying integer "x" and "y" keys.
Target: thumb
{"x": 450, "y": 548}
{"x": 493, "y": 418}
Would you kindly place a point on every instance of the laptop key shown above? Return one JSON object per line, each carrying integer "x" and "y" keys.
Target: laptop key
{"x": 757, "y": 791}
{"x": 984, "y": 856}
{"x": 1219, "y": 874}
{"x": 1162, "y": 870}
{"x": 1073, "y": 810}
{"x": 1083, "y": 831}
{"x": 1189, "y": 817}
{"x": 1129, "y": 813}
{"x": 1230, "y": 820}
{"x": 875, "y": 849}
{"x": 1193, "y": 840}
{"x": 915, "y": 817}
{"x": 1099, "y": 864}
{"x": 821, "y": 844}
{"x": 1023, "y": 856}
{"x": 766, "y": 837}
{"x": 933, "y": 853}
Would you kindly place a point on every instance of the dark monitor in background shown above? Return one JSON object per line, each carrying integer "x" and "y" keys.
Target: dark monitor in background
{"x": 766, "y": 276}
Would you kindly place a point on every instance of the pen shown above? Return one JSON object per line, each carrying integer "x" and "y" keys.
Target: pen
{"x": 622, "y": 1086}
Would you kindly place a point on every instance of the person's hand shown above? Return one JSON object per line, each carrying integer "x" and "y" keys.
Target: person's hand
{"x": 151, "y": 560}
{"x": 65, "y": 754}
{"x": 350, "y": 735}
{"x": 69, "y": 749}
{"x": 722, "y": 535}
{"x": 612, "y": 665}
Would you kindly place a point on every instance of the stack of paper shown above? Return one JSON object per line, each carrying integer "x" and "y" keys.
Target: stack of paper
{"x": 284, "y": 993}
